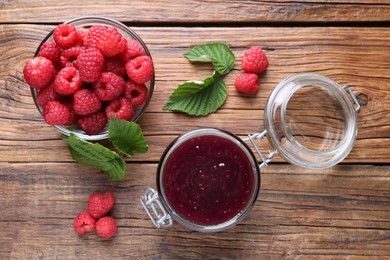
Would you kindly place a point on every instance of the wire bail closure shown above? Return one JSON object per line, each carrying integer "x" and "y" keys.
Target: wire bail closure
{"x": 354, "y": 98}
{"x": 152, "y": 204}
{"x": 268, "y": 158}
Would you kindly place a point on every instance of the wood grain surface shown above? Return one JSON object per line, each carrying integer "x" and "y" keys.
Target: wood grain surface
{"x": 338, "y": 213}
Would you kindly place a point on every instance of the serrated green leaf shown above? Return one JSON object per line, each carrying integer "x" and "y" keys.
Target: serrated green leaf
{"x": 126, "y": 136}
{"x": 98, "y": 156}
{"x": 219, "y": 54}
{"x": 198, "y": 98}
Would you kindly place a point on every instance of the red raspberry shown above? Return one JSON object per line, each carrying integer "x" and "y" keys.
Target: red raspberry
{"x": 100, "y": 203}
{"x": 84, "y": 223}
{"x": 111, "y": 42}
{"x": 55, "y": 113}
{"x": 134, "y": 49}
{"x": 120, "y": 108}
{"x": 38, "y": 72}
{"x": 90, "y": 63}
{"x": 114, "y": 65}
{"x": 47, "y": 94}
{"x": 137, "y": 93}
{"x": 67, "y": 81}
{"x": 247, "y": 83}
{"x": 86, "y": 102}
{"x": 109, "y": 87}
{"x": 68, "y": 102}
{"x": 106, "y": 227}
{"x": 93, "y": 35}
{"x": 81, "y": 37}
{"x": 50, "y": 51}
{"x": 94, "y": 123}
{"x": 140, "y": 69}
{"x": 65, "y": 36}
{"x": 69, "y": 57}
{"x": 254, "y": 61}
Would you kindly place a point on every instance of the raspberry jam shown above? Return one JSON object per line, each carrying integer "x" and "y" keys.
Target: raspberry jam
{"x": 209, "y": 179}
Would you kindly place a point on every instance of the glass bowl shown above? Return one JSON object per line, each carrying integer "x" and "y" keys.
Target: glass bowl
{"x": 85, "y": 23}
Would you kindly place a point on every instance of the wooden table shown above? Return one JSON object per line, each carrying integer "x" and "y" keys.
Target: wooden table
{"x": 339, "y": 213}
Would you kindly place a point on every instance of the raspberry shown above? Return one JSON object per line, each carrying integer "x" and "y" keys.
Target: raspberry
{"x": 90, "y": 63}
{"x": 120, "y": 108}
{"x": 106, "y": 227}
{"x": 111, "y": 42}
{"x": 69, "y": 56}
{"x": 137, "y": 93}
{"x": 83, "y": 223}
{"x": 68, "y": 102}
{"x": 134, "y": 49}
{"x": 254, "y": 61}
{"x": 109, "y": 87}
{"x": 38, "y": 72}
{"x": 100, "y": 203}
{"x": 140, "y": 69}
{"x": 114, "y": 65}
{"x": 81, "y": 37}
{"x": 93, "y": 123}
{"x": 93, "y": 35}
{"x": 65, "y": 36}
{"x": 47, "y": 94}
{"x": 55, "y": 113}
{"x": 67, "y": 81}
{"x": 247, "y": 83}
{"x": 50, "y": 51}
{"x": 86, "y": 102}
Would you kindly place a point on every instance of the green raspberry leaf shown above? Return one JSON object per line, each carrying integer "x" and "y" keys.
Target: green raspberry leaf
{"x": 219, "y": 54}
{"x": 97, "y": 156}
{"x": 198, "y": 98}
{"x": 126, "y": 136}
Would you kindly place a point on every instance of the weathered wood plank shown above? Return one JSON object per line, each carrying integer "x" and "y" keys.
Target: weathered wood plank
{"x": 355, "y": 56}
{"x": 212, "y": 11}
{"x": 334, "y": 214}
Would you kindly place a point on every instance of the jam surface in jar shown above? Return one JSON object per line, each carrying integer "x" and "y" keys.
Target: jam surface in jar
{"x": 208, "y": 180}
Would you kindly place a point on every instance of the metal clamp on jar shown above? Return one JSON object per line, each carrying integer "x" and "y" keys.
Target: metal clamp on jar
{"x": 208, "y": 179}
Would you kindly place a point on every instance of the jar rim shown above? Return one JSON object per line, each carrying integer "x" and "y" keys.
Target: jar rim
{"x": 295, "y": 152}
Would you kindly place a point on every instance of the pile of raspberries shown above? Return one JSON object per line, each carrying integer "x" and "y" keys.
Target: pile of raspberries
{"x": 99, "y": 204}
{"x": 254, "y": 62}
{"x": 85, "y": 76}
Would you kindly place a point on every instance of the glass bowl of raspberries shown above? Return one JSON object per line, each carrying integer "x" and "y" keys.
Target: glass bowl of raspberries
{"x": 87, "y": 70}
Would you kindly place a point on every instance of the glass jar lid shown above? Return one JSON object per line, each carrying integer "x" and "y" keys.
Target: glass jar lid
{"x": 311, "y": 121}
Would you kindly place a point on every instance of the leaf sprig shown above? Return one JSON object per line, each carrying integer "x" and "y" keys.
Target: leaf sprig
{"x": 200, "y": 98}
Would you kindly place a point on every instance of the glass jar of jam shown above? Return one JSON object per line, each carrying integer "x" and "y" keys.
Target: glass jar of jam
{"x": 209, "y": 179}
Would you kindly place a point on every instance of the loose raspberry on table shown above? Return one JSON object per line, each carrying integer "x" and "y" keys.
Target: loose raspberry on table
{"x": 67, "y": 81}
{"x": 109, "y": 86}
{"x": 65, "y": 36}
{"x": 93, "y": 35}
{"x": 136, "y": 93}
{"x": 111, "y": 42}
{"x": 134, "y": 49}
{"x": 86, "y": 102}
{"x": 69, "y": 57}
{"x": 38, "y": 72}
{"x": 50, "y": 51}
{"x": 247, "y": 82}
{"x": 55, "y": 113}
{"x": 84, "y": 223}
{"x": 93, "y": 123}
{"x": 106, "y": 227}
{"x": 120, "y": 108}
{"x": 140, "y": 69}
{"x": 254, "y": 61}
{"x": 114, "y": 65}
{"x": 47, "y": 94}
{"x": 100, "y": 203}
{"x": 90, "y": 63}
